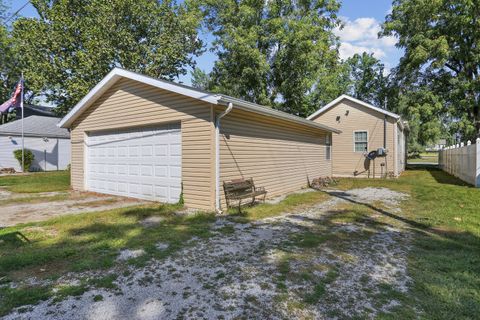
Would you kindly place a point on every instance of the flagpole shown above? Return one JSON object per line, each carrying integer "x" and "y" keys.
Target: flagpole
{"x": 23, "y": 142}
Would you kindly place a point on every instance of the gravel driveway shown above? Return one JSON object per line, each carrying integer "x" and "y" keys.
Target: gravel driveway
{"x": 318, "y": 263}
{"x": 45, "y": 205}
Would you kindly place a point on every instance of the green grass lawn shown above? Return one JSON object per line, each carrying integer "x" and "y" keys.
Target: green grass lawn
{"x": 430, "y": 157}
{"x": 37, "y": 182}
{"x": 442, "y": 213}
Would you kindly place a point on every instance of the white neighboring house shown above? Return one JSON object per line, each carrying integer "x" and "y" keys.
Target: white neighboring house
{"x": 439, "y": 145}
{"x": 49, "y": 143}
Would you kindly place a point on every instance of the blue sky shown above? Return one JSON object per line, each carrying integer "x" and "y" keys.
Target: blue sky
{"x": 362, "y": 20}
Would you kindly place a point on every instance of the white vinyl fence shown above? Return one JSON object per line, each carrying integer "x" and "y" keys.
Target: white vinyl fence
{"x": 462, "y": 161}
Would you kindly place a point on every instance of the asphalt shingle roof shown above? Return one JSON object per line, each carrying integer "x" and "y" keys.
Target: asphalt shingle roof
{"x": 35, "y": 126}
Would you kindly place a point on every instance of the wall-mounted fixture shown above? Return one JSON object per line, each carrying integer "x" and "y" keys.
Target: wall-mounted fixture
{"x": 45, "y": 139}
{"x": 347, "y": 112}
{"x": 338, "y": 118}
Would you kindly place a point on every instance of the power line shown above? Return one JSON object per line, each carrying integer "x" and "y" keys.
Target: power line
{"x": 16, "y": 12}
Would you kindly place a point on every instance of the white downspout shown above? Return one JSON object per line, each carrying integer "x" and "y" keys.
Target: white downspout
{"x": 217, "y": 155}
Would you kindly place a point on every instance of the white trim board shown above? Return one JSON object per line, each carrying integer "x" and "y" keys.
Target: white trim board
{"x": 347, "y": 97}
{"x": 217, "y": 99}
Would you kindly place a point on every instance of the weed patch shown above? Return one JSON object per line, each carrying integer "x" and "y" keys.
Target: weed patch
{"x": 320, "y": 287}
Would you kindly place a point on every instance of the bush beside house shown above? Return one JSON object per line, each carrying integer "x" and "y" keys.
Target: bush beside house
{"x": 28, "y": 158}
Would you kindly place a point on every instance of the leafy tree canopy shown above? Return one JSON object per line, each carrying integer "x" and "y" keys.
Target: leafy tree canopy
{"x": 9, "y": 68}
{"x": 277, "y": 53}
{"x": 73, "y": 44}
{"x": 441, "y": 40}
{"x": 367, "y": 81}
{"x": 200, "y": 79}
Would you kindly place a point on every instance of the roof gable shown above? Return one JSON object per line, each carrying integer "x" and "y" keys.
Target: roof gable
{"x": 347, "y": 97}
{"x": 116, "y": 74}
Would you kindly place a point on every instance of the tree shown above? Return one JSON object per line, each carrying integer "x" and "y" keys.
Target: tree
{"x": 73, "y": 44}
{"x": 3, "y": 12}
{"x": 275, "y": 52}
{"x": 367, "y": 80}
{"x": 441, "y": 40}
{"x": 424, "y": 111}
{"x": 9, "y": 62}
{"x": 200, "y": 79}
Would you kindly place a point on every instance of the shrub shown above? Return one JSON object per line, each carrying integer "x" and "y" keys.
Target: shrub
{"x": 414, "y": 150}
{"x": 28, "y": 158}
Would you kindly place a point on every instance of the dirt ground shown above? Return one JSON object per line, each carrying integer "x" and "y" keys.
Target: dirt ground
{"x": 18, "y": 208}
{"x": 319, "y": 263}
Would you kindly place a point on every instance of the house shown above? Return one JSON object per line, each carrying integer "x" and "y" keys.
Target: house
{"x": 28, "y": 110}
{"x": 439, "y": 145}
{"x": 142, "y": 137}
{"x": 365, "y": 129}
{"x": 34, "y": 110}
{"x": 49, "y": 143}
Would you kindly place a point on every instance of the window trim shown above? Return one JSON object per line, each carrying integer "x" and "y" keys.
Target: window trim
{"x": 354, "y": 141}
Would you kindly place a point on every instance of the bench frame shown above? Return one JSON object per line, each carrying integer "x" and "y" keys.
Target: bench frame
{"x": 240, "y": 189}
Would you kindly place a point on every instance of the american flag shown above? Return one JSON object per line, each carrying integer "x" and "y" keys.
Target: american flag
{"x": 14, "y": 101}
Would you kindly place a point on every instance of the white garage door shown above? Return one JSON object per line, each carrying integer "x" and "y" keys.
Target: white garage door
{"x": 141, "y": 163}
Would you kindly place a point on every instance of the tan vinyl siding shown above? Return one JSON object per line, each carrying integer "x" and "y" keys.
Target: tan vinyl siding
{"x": 278, "y": 155}
{"x": 129, "y": 104}
{"x": 354, "y": 117}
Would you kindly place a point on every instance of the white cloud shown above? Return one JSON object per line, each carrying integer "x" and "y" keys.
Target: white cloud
{"x": 347, "y": 50}
{"x": 361, "y": 35}
{"x": 360, "y": 29}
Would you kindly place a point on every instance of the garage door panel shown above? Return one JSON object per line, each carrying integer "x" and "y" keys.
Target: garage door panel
{"x": 175, "y": 172}
{"x": 143, "y": 163}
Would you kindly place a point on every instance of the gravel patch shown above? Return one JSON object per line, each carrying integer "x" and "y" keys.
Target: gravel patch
{"x": 236, "y": 274}
{"x": 152, "y": 221}
{"x": 6, "y": 195}
{"x": 13, "y": 214}
{"x": 389, "y": 198}
{"x": 127, "y": 254}
{"x": 161, "y": 246}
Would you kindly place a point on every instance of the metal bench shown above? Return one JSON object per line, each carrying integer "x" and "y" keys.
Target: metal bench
{"x": 240, "y": 189}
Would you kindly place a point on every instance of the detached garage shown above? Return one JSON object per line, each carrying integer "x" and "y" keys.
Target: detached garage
{"x": 141, "y": 137}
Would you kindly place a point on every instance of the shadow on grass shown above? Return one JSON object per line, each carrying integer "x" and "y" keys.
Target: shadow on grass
{"x": 14, "y": 238}
{"x": 439, "y": 175}
{"x": 347, "y": 197}
{"x": 92, "y": 241}
{"x": 445, "y": 260}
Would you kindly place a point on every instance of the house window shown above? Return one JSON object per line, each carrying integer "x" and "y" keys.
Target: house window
{"x": 361, "y": 141}
{"x": 328, "y": 147}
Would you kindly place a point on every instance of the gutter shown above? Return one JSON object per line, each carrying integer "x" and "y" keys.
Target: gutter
{"x": 252, "y": 107}
{"x": 35, "y": 135}
{"x": 217, "y": 155}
